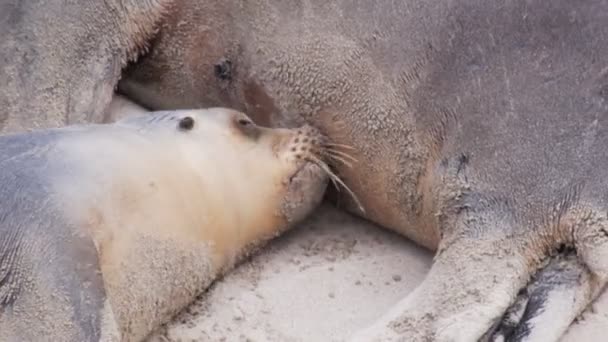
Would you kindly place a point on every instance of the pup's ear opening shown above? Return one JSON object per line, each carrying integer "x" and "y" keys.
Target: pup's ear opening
{"x": 186, "y": 123}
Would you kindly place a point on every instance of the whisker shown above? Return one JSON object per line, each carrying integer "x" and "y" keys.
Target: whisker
{"x": 337, "y": 179}
{"x": 345, "y": 162}
{"x": 339, "y": 145}
{"x": 343, "y": 154}
{"x": 325, "y": 168}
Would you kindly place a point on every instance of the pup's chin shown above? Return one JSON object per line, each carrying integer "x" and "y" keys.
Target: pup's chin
{"x": 304, "y": 192}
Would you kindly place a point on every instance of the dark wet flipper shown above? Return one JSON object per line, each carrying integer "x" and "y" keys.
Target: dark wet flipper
{"x": 553, "y": 299}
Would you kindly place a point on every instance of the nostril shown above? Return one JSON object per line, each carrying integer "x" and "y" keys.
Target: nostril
{"x": 223, "y": 69}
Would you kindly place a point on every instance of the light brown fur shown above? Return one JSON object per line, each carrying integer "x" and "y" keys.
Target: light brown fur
{"x": 167, "y": 209}
{"x": 235, "y": 211}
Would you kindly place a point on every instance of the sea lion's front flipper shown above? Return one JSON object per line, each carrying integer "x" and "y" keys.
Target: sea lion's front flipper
{"x": 469, "y": 287}
{"x": 553, "y": 299}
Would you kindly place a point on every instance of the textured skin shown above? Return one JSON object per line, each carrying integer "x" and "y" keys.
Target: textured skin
{"x": 55, "y": 72}
{"x": 479, "y": 127}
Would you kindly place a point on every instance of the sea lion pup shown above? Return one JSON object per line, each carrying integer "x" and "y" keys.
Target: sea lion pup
{"x": 106, "y": 231}
{"x": 476, "y": 128}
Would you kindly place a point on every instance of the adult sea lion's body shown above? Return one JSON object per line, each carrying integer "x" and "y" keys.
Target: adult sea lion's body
{"x": 479, "y": 127}
{"x": 106, "y": 231}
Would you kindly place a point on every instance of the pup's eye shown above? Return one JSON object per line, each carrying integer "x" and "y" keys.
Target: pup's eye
{"x": 245, "y": 122}
{"x": 247, "y": 127}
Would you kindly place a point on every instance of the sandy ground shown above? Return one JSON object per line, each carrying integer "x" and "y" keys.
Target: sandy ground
{"x": 327, "y": 278}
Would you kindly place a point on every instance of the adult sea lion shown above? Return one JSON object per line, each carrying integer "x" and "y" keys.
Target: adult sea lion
{"x": 107, "y": 231}
{"x": 479, "y": 128}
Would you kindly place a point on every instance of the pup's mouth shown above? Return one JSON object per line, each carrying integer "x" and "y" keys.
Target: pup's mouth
{"x": 304, "y": 168}
{"x": 304, "y": 191}
{"x": 298, "y": 171}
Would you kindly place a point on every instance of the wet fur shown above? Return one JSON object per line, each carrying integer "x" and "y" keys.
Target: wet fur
{"x": 479, "y": 128}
